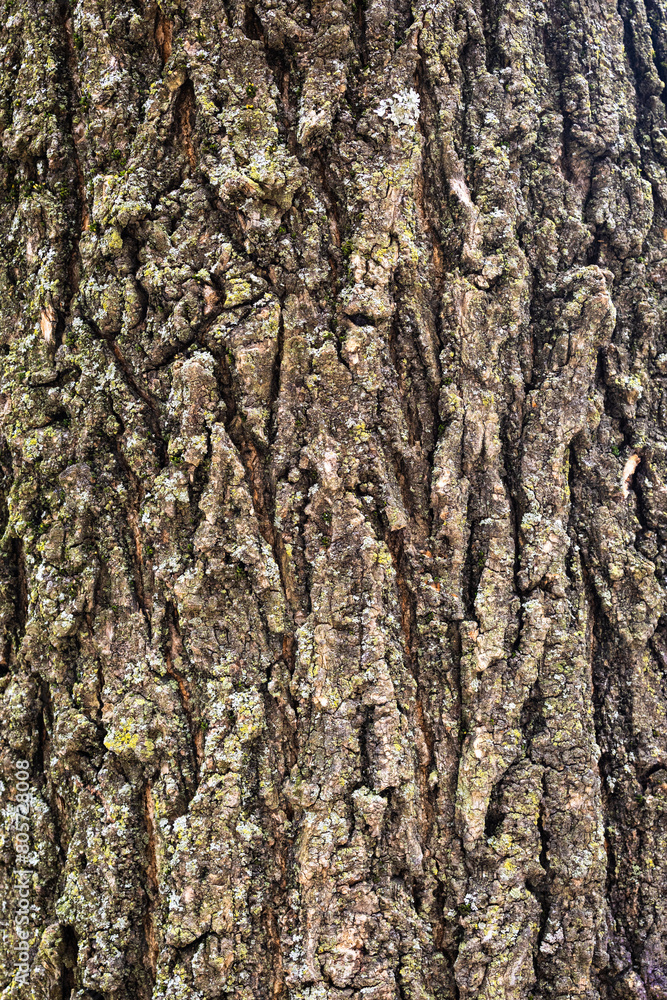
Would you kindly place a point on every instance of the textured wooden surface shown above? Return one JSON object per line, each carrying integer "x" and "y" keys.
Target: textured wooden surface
{"x": 334, "y": 513}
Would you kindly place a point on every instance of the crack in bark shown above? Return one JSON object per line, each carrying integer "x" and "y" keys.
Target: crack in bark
{"x": 174, "y": 647}
{"x": 21, "y": 600}
{"x": 543, "y": 896}
{"x": 162, "y": 32}
{"x": 278, "y": 985}
{"x": 258, "y": 477}
{"x": 81, "y": 221}
{"x": 184, "y": 120}
{"x": 136, "y": 493}
{"x": 69, "y": 958}
{"x": 152, "y": 888}
{"x": 395, "y": 543}
{"x": 130, "y": 380}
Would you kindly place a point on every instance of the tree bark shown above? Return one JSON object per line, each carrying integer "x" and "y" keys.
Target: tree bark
{"x": 334, "y": 502}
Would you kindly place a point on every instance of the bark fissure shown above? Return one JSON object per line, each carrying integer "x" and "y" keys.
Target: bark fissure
{"x": 152, "y": 887}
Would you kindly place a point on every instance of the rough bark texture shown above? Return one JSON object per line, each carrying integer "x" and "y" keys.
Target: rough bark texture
{"x": 334, "y": 499}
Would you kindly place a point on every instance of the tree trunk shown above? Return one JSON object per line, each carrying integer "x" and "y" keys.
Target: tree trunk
{"x": 334, "y": 500}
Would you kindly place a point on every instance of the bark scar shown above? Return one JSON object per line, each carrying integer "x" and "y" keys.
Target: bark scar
{"x": 628, "y": 472}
